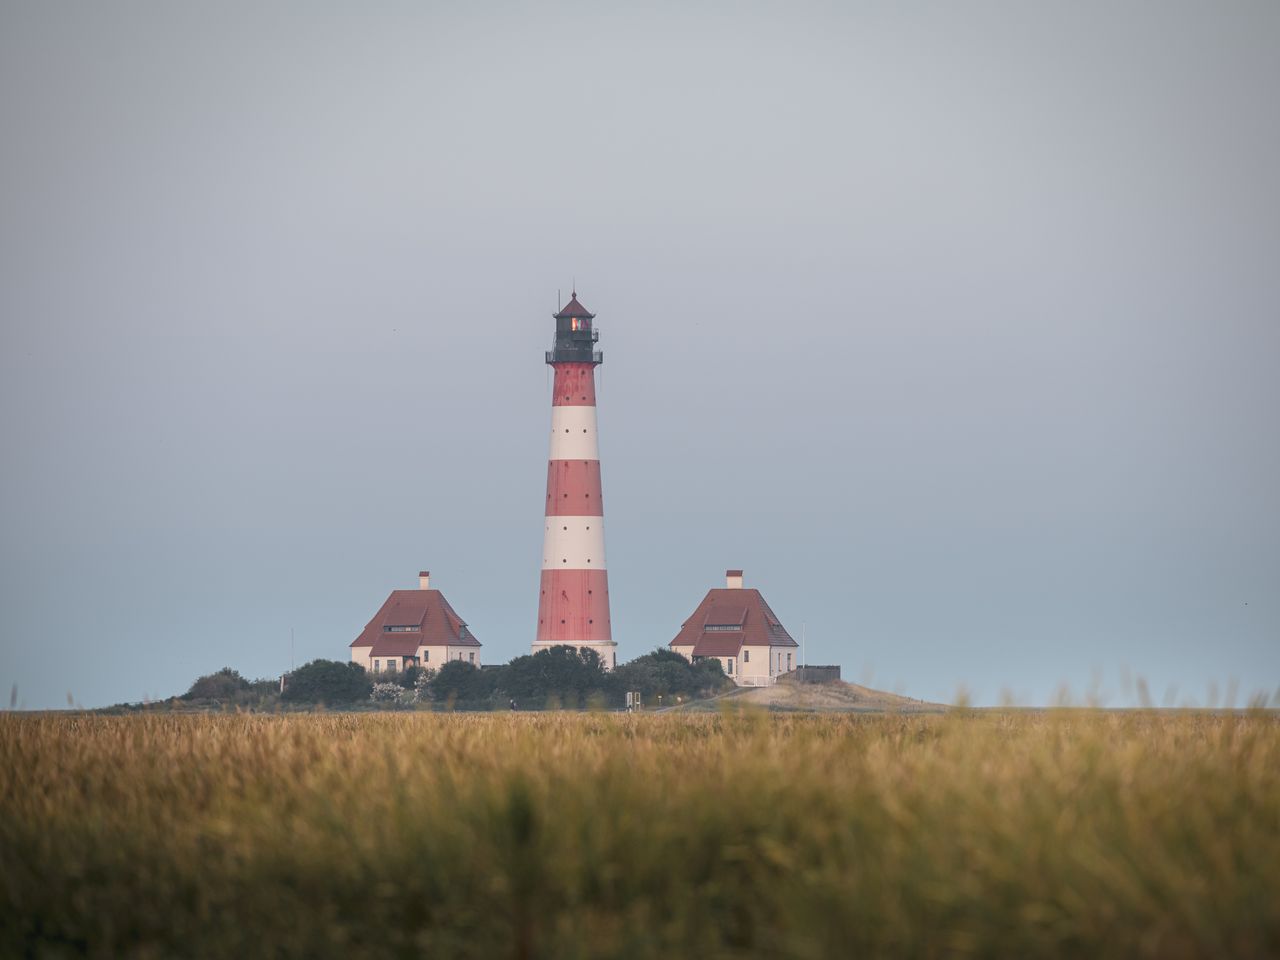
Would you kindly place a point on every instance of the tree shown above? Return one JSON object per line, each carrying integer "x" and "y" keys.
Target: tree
{"x": 666, "y": 672}
{"x": 328, "y": 681}
{"x": 226, "y": 684}
{"x": 463, "y": 682}
{"x": 561, "y": 673}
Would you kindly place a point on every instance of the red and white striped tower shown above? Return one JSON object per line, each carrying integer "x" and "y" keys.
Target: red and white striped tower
{"x": 573, "y": 608}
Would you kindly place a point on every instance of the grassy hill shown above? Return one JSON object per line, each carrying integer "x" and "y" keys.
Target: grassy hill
{"x": 834, "y": 697}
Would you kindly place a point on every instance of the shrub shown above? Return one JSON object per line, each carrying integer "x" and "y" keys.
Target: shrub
{"x": 389, "y": 693}
{"x": 328, "y": 681}
{"x": 563, "y": 674}
{"x": 463, "y": 682}
{"x": 666, "y": 672}
{"x": 223, "y": 685}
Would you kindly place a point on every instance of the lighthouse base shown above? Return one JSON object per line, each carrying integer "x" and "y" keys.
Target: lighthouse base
{"x": 606, "y": 650}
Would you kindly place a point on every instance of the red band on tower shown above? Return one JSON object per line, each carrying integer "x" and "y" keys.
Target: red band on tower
{"x": 573, "y": 489}
{"x": 575, "y": 385}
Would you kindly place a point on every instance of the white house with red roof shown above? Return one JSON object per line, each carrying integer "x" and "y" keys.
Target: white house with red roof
{"x": 735, "y": 626}
{"x": 415, "y": 628}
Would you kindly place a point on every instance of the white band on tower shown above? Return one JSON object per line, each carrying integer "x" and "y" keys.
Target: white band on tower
{"x": 573, "y": 543}
{"x": 573, "y": 434}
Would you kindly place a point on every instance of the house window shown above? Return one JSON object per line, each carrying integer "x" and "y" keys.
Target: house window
{"x": 722, "y": 627}
{"x": 391, "y": 665}
{"x": 472, "y": 656}
{"x": 399, "y": 629}
{"x": 746, "y": 656}
{"x": 788, "y": 661}
{"x": 730, "y": 671}
{"x": 426, "y": 655}
{"x": 377, "y": 666}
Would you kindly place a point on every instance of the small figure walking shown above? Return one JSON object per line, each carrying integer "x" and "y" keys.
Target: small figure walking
{"x": 513, "y": 704}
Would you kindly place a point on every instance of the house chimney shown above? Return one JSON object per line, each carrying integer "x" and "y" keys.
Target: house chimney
{"x": 424, "y": 580}
{"x": 733, "y": 579}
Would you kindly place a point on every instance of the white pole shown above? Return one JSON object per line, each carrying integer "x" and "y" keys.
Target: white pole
{"x": 803, "y": 631}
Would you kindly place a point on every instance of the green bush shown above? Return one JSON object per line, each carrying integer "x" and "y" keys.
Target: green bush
{"x": 667, "y": 673}
{"x": 458, "y": 682}
{"x": 226, "y": 684}
{"x": 328, "y": 681}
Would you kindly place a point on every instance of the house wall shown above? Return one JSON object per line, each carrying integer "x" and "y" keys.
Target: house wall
{"x": 464, "y": 654}
{"x": 758, "y": 663}
{"x": 724, "y": 665}
{"x": 438, "y": 656}
{"x": 687, "y": 653}
{"x": 783, "y": 659}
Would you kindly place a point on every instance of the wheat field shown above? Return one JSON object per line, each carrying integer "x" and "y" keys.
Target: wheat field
{"x": 589, "y": 835}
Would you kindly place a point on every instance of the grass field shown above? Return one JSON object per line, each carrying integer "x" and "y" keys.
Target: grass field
{"x": 581, "y": 835}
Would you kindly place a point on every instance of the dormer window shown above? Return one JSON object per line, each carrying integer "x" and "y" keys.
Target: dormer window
{"x": 410, "y": 628}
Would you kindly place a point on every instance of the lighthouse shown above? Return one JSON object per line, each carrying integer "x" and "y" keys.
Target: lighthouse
{"x": 573, "y": 606}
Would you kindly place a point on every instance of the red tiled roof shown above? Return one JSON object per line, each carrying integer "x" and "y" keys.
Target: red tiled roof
{"x": 725, "y": 615}
{"x": 396, "y": 645}
{"x": 728, "y": 607}
{"x": 574, "y": 309}
{"x": 435, "y": 624}
{"x": 718, "y": 645}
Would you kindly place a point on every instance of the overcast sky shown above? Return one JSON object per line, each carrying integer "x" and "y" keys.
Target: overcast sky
{"x": 955, "y": 325}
